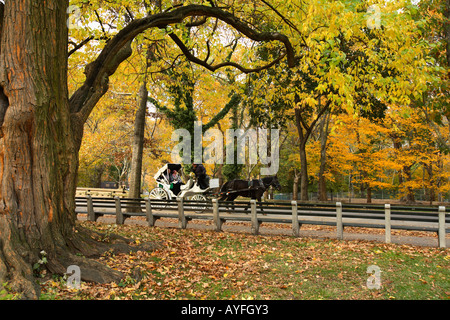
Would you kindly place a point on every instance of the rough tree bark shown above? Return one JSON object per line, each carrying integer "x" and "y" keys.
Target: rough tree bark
{"x": 35, "y": 213}
{"x": 38, "y": 154}
{"x": 41, "y": 131}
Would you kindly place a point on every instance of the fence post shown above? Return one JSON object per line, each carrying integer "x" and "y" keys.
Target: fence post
{"x": 149, "y": 213}
{"x": 90, "y": 209}
{"x": 295, "y": 225}
{"x": 441, "y": 233}
{"x": 119, "y": 214}
{"x": 181, "y": 216}
{"x": 339, "y": 224}
{"x": 216, "y": 216}
{"x": 254, "y": 218}
{"x": 387, "y": 223}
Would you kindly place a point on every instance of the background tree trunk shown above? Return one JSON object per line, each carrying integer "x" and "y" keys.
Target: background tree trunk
{"x": 303, "y": 160}
{"x": 139, "y": 132}
{"x": 138, "y": 143}
{"x": 409, "y": 198}
{"x": 303, "y": 172}
{"x": 304, "y": 132}
{"x": 323, "y": 156}
{"x": 369, "y": 194}
{"x": 295, "y": 186}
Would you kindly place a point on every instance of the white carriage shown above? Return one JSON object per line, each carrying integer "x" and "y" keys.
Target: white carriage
{"x": 189, "y": 190}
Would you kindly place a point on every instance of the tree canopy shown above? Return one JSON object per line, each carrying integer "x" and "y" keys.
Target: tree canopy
{"x": 358, "y": 89}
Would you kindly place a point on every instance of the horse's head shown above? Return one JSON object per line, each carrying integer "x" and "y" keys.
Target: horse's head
{"x": 272, "y": 181}
{"x": 275, "y": 183}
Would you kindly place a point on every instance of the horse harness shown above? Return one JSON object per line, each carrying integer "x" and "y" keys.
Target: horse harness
{"x": 253, "y": 185}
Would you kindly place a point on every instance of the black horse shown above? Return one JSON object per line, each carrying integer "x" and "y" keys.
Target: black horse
{"x": 253, "y": 189}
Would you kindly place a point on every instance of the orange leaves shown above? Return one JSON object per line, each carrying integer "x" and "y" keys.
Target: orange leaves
{"x": 397, "y": 152}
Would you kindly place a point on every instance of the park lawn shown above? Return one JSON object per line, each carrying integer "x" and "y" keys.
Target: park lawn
{"x": 193, "y": 264}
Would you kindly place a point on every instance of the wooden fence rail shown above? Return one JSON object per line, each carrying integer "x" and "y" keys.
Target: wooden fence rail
{"x": 387, "y": 217}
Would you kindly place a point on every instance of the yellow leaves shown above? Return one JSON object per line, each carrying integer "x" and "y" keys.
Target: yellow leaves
{"x": 310, "y": 101}
{"x": 322, "y": 87}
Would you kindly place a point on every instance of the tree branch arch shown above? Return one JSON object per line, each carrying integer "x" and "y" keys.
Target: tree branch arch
{"x": 41, "y": 131}
{"x": 118, "y": 49}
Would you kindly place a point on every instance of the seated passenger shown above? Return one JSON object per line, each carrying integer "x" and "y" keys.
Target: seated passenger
{"x": 176, "y": 182}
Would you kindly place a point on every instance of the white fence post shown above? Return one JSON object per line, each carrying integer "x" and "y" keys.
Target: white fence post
{"x": 255, "y": 222}
{"x": 441, "y": 232}
{"x": 387, "y": 223}
{"x": 295, "y": 225}
{"x": 181, "y": 216}
{"x": 216, "y": 216}
{"x": 90, "y": 209}
{"x": 149, "y": 213}
{"x": 119, "y": 214}
{"x": 339, "y": 224}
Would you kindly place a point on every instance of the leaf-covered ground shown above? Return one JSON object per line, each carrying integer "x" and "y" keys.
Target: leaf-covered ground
{"x": 199, "y": 264}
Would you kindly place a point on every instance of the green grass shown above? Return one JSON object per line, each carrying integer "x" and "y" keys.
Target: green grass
{"x": 193, "y": 264}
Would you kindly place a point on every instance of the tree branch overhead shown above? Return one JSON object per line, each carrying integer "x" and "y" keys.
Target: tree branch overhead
{"x": 97, "y": 73}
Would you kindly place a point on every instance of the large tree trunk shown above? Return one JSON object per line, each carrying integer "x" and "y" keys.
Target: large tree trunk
{"x": 33, "y": 79}
{"x": 41, "y": 132}
{"x": 38, "y": 154}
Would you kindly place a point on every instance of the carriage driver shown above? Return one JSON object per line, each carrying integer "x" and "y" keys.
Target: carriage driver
{"x": 200, "y": 174}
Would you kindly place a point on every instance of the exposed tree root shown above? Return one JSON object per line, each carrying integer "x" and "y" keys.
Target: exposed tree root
{"x": 18, "y": 274}
{"x": 81, "y": 250}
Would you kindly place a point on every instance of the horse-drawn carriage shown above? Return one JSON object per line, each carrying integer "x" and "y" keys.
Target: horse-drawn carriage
{"x": 170, "y": 188}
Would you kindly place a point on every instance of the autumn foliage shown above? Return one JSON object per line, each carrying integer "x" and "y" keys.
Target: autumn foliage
{"x": 371, "y": 101}
{"x": 358, "y": 89}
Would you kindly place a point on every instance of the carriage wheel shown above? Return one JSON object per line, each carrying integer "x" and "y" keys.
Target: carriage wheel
{"x": 158, "y": 194}
{"x": 198, "y": 197}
